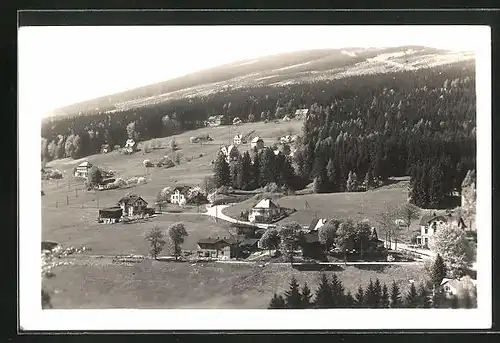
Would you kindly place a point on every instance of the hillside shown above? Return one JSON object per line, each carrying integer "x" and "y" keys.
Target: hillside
{"x": 277, "y": 70}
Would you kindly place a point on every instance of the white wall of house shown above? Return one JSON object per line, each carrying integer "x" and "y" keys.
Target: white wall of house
{"x": 177, "y": 198}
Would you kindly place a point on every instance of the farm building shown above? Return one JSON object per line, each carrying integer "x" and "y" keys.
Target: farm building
{"x": 220, "y": 248}
{"x": 430, "y": 224}
{"x": 110, "y": 215}
{"x": 105, "y": 148}
{"x": 104, "y": 183}
{"x": 130, "y": 146}
{"x": 237, "y": 121}
{"x": 132, "y": 204}
{"x": 316, "y": 224}
{"x": 179, "y": 195}
{"x": 257, "y": 143}
{"x": 265, "y": 211}
{"x": 82, "y": 170}
{"x": 237, "y": 139}
{"x": 231, "y": 152}
{"x": 214, "y": 120}
{"x": 301, "y": 112}
{"x": 454, "y": 286}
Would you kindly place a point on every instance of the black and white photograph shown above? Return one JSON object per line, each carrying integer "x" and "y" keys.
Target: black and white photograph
{"x": 191, "y": 171}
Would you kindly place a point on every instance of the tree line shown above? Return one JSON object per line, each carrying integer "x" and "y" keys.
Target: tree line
{"x": 373, "y": 126}
{"x": 332, "y": 294}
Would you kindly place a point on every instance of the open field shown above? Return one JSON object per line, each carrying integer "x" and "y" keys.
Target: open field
{"x": 75, "y": 223}
{"x": 79, "y": 227}
{"x": 154, "y": 284}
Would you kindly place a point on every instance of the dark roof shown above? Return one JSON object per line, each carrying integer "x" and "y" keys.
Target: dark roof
{"x": 211, "y": 240}
{"x": 130, "y": 199}
{"x": 427, "y": 219}
{"x": 311, "y": 237}
{"x": 182, "y": 189}
{"x": 249, "y": 241}
{"x": 111, "y": 212}
{"x": 313, "y": 224}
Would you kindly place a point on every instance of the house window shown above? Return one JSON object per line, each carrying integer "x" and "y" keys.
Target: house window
{"x": 426, "y": 231}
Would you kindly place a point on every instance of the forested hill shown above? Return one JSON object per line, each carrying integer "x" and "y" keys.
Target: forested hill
{"x": 303, "y": 66}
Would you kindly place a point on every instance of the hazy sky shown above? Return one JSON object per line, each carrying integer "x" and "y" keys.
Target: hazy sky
{"x": 62, "y": 65}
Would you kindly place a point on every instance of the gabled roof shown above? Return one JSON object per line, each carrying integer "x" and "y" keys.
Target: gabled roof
{"x": 182, "y": 189}
{"x": 427, "y": 219}
{"x": 85, "y": 164}
{"x": 211, "y": 240}
{"x": 266, "y": 203}
{"x": 130, "y": 199}
{"x": 249, "y": 241}
{"x": 317, "y": 223}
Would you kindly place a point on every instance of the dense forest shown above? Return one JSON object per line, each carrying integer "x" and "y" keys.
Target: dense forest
{"x": 420, "y": 123}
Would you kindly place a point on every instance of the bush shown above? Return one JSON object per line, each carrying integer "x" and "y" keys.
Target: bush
{"x": 141, "y": 181}
{"x": 52, "y": 175}
{"x": 271, "y": 187}
{"x": 147, "y": 163}
{"x": 132, "y": 181}
{"x": 165, "y": 162}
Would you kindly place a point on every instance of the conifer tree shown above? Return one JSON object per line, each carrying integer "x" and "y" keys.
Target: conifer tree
{"x": 221, "y": 171}
{"x": 256, "y": 171}
{"x": 423, "y": 297}
{"x": 323, "y": 295}
{"x": 438, "y": 299}
{"x": 349, "y": 301}
{"x": 385, "y": 297}
{"x": 395, "y": 295}
{"x": 337, "y": 290}
{"x": 369, "y": 182}
{"x": 377, "y": 294}
{"x": 411, "y": 299}
{"x": 359, "y": 298}
{"x": 438, "y": 271}
{"x": 370, "y": 298}
{"x": 352, "y": 182}
{"x": 293, "y": 297}
{"x": 331, "y": 173}
{"x": 244, "y": 179}
{"x": 306, "y": 296}
{"x": 267, "y": 167}
{"x": 277, "y": 302}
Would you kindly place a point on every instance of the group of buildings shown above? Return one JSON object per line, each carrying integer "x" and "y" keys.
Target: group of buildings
{"x": 128, "y": 206}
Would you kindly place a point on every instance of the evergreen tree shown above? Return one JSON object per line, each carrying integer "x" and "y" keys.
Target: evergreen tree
{"x": 287, "y": 174}
{"x": 370, "y": 297}
{"x": 277, "y": 302}
{"x": 349, "y": 301}
{"x": 267, "y": 167}
{"x": 319, "y": 184}
{"x": 377, "y": 293}
{"x": 323, "y": 295}
{"x": 352, "y": 182}
{"x": 359, "y": 298}
{"x": 423, "y": 297}
{"x": 234, "y": 168}
{"x": 244, "y": 172}
{"x": 293, "y": 297}
{"x": 385, "y": 297}
{"x": 331, "y": 173}
{"x": 438, "y": 271}
{"x": 337, "y": 290}
{"x": 395, "y": 295}
{"x": 256, "y": 171}
{"x": 411, "y": 299}
{"x": 306, "y": 296}
{"x": 438, "y": 299}
{"x": 369, "y": 181}
{"x": 221, "y": 171}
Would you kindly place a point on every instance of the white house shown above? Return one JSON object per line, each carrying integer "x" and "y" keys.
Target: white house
{"x": 179, "y": 195}
{"x": 264, "y": 211}
{"x": 130, "y": 146}
{"x": 237, "y": 121}
{"x": 301, "y": 112}
{"x": 82, "y": 170}
{"x": 237, "y": 139}
{"x": 257, "y": 142}
{"x": 230, "y": 152}
{"x": 132, "y": 204}
{"x": 214, "y": 120}
{"x": 454, "y": 286}
{"x": 316, "y": 224}
{"x": 429, "y": 225}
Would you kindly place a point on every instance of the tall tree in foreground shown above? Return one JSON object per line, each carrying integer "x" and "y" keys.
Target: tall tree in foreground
{"x": 456, "y": 250}
{"x": 359, "y": 298}
{"x": 337, "y": 290}
{"x": 377, "y": 293}
{"x": 156, "y": 242}
{"x": 176, "y": 234}
{"x": 349, "y": 300}
{"x": 411, "y": 299}
{"x": 385, "y": 303}
{"x": 277, "y": 302}
{"x": 323, "y": 295}
{"x": 222, "y": 176}
{"x": 293, "y": 297}
{"x": 438, "y": 271}
{"x": 395, "y": 295}
{"x": 423, "y": 297}
{"x": 306, "y": 296}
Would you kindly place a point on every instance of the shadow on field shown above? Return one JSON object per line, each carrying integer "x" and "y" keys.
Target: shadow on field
{"x": 318, "y": 267}
{"x": 371, "y": 267}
